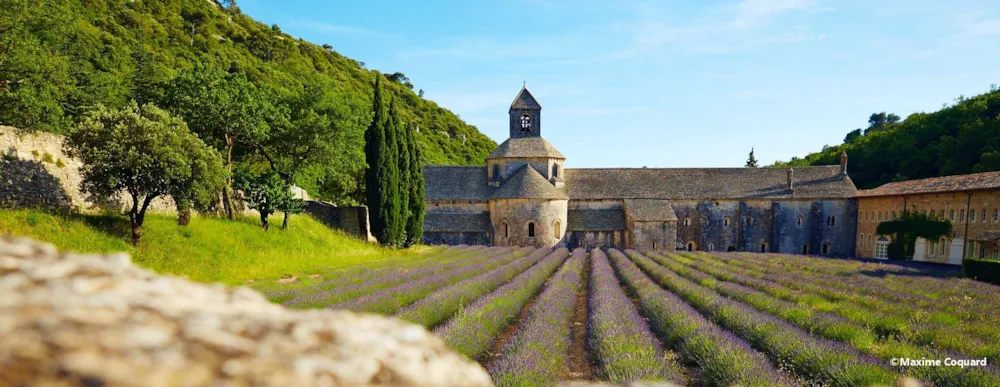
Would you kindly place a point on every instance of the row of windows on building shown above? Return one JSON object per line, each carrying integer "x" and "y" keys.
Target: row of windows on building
{"x": 750, "y": 221}
{"x": 879, "y": 216}
{"x": 692, "y": 246}
{"x": 556, "y": 229}
{"x": 496, "y": 171}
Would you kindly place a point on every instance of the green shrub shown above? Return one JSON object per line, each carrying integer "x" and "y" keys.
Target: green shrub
{"x": 47, "y": 158}
{"x": 34, "y": 153}
{"x": 60, "y": 164}
{"x": 982, "y": 270}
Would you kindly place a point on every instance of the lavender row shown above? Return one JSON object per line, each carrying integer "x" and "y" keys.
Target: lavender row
{"x": 360, "y": 272}
{"x": 618, "y": 336}
{"x": 474, "y": 328}
{"x": 814, "y": 359}
{"x": 832, "y": 326}
{"x": 387, "y": 301}
{"x": 899, "y": 320}
{"x": 724, "y": 359}
{"x": 538, "y": 354}
{"x": 442, "y": 304}
{"x": 380, "y": 279}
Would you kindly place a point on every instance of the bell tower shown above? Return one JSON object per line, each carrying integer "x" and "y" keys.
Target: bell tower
{"x": 525, "y": 116}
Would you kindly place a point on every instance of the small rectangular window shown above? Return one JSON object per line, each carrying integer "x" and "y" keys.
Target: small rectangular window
{"x": 961, "y": 216}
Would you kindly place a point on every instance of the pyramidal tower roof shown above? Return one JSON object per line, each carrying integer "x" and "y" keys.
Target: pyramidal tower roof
{"x": 525, "y": 100}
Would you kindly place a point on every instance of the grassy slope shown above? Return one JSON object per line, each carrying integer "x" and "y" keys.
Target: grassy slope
{"x": 207, "y": 250}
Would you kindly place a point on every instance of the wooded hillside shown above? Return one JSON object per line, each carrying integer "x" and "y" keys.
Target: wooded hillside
{"x": 59, "y": 59}
{"x": 958, "y": 139}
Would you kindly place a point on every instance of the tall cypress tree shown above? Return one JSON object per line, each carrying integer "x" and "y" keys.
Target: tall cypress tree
{"x": 374, "y": 141}
{"x": 389, "y": 182}
{"x": 415, "y": 222}
{"x": 403, "y": 163}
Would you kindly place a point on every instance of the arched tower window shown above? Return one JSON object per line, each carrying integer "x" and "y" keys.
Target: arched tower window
{"x": 531, "y": 229}
{"x": 763, "y": 247}
{"x": 506, "y": 233}
{"x": 711, "y": 247}
{"x": 525, "y": 123}
{"x": 555, "y": 170}
{"x": 496, "y": 171}
{"x": 826, "y": 248}
{"x": 556, "y": 228}
{"x": 726, "y": 221}
{"x": 687, "y": 221}
{"x": 749, "y": 221}
{"x": 800, "y": 220}
{"x": 691, "y": 246}
{"x": 805, "y": 249}
{"x": 654, "y": 244}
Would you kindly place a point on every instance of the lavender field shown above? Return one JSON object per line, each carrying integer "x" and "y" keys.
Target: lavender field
{"x": 534, "y": 317}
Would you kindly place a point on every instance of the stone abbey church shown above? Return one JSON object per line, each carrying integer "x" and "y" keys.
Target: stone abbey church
{"x": 526, "y": 194}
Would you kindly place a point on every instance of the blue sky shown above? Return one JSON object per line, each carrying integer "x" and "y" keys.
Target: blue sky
{"x": 669, "y": 83}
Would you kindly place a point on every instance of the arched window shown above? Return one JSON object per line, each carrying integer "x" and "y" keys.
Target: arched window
{"x": 711, "y": 247}
{"x": 805, "y": 249}
{"x": 833, "y": 220}
{"x": 861, "y": 241}
{"x": 506, "y": 234}
{"x": 944, "y": 242}
{"x": 687, "y": 221}
{"x": 556, "y": 227}
{"x": 932, "y": 214}
{"x": 894, "y": 215}
{"x": 496, "y": 171}
{"x": 880, "y": 216}
{"x": 800, "y": 220}
{"x": 749, "y": 221}
{"x": 951, "y": 215}
{"x": 972, "y": 216}
{"x": 826, "y": 248}
{"x": 882, "y": 247}
{"x": 961, "y": 216}
{"x": 763, "y": 247}
{"x": 555, "y": 170}
{"x": 531, "y": 229}
{"x": 869, "y": 240}
{"x": 726, "y": 221}
{"x": 866, "y": 216}
{"x": 996, "y": 215}
{"x": 691, "y": 246}
{"x": 984, "y": 216}
{"x": 525, "y": 123}
{"x": 654, "y": 244}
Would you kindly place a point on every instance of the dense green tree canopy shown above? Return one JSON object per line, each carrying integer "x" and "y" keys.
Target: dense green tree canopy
{"x": 958, "y": 139}
{"x": 144, "y": 152}
{"x": 59, "y": 59}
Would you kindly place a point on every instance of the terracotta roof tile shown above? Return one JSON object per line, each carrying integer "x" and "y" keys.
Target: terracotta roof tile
{"x": 970, "y": 182}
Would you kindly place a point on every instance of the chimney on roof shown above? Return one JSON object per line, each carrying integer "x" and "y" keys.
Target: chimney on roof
{"x": 791, "y": 179}
{"x": 843, "y": 164}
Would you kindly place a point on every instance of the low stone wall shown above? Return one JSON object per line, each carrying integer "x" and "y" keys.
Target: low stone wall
{"x": 35, "y": 172}
{"x": 353, "y": 220}
{"x": 90, "y": 320}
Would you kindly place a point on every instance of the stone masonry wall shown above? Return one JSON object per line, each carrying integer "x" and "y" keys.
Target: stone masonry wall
{"x": 353, "y": 220}
{"x": 35, "y": 172}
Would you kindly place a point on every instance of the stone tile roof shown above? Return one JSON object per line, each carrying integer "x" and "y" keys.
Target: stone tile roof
{"x": 444, "y": 222}
{"x": 650, "y": 210}
{"x": 527, "y": 183}
{"x": 707, "y": 183}
{"x": 525, "y": 100}
{"x": 526, "y": 147}
{"x": 970, "y": 182}
{"x": 443, "y": 183}
{"x": 595, "y": 220}
{"x": 470, "y": 183}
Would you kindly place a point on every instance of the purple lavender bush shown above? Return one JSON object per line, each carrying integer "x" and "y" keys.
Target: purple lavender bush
{"x": 538, "y": 353}
{"x": 440, "y": 305}
{"x": 723, "y": 358}
{"x": 473, "y": 329}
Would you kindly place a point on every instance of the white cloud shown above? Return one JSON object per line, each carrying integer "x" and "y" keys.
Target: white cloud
{"x": 982, "y": 28}
{"x": 753, "y": 12}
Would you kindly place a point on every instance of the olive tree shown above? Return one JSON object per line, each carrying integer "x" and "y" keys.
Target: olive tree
{"x": 145, "y": 153}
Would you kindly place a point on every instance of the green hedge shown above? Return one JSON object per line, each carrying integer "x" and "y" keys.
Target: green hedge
{"x": 985, "y": 270}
